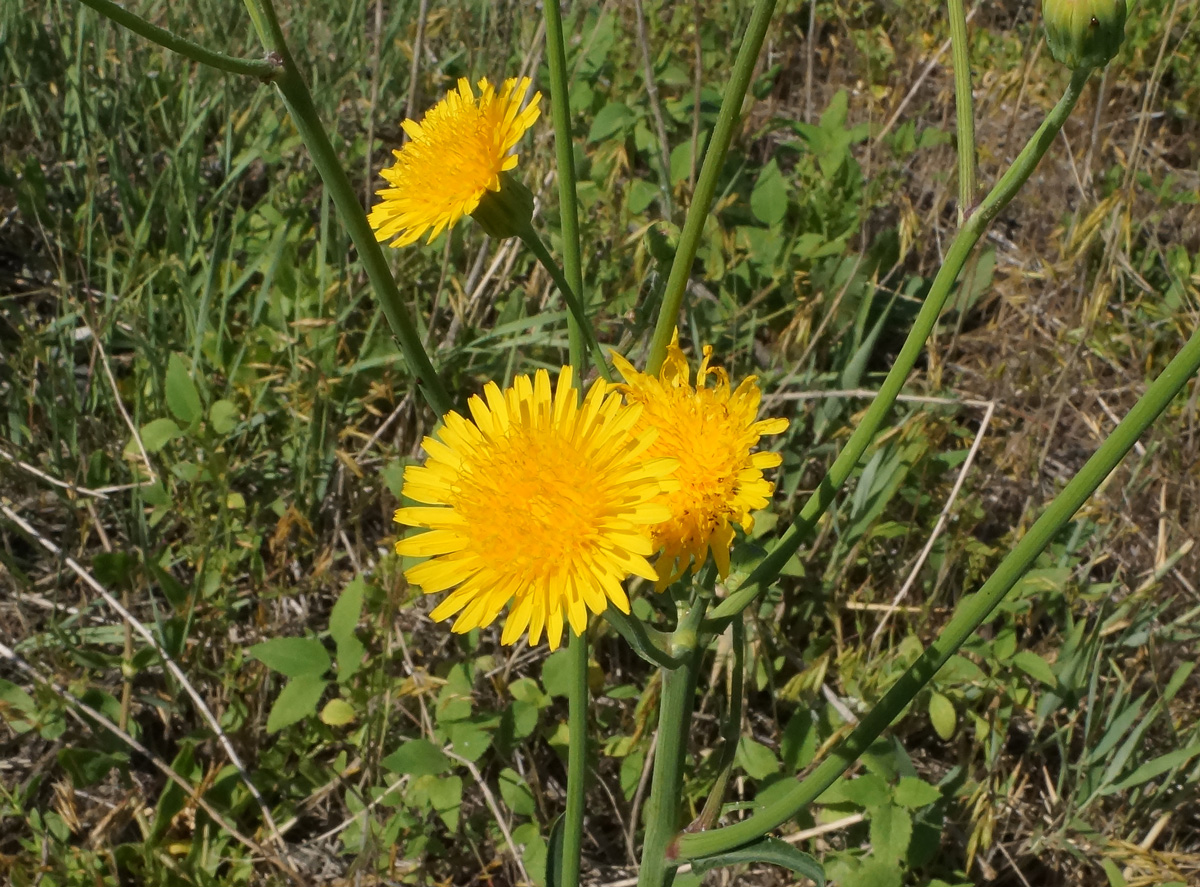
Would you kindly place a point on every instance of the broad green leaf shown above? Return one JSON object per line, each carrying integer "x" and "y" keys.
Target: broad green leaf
{"x": 611, "y": 119}
{"x": 223, "y": 416}
{"x": 446, "y": 796}
{"x": 769, "y": 198}
{"x": 468, "y": 740}
{"x": 298, "y": 699}
{"x": 771, "y": 851}
{"x": 337, "y": 713}
{"x": 1036, "y": 667}
{"x": 942, "y": 715}
{"x": 86, "y": 766}
{"x": 867, "y": 790}
{"x": 891, "y": 829}
{"x": 156, "y": 434}
{"x": 756, "y": 759}
{"x": 517, "y": 796}
{"x": 343, "y": 618}
{"x": 913, "y": 793}
{"x": 17, "y": 707}
{"x": 294, "y": 657}
{"x": 418, "y": 757}
{"x": 182, "y": 397}
{"x": 556, "y": 675}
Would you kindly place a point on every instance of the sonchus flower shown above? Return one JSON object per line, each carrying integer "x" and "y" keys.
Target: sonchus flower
{"x": 539, "y": 502}
{"x": 710, "y": 433}
{"x": 456, "y": 156}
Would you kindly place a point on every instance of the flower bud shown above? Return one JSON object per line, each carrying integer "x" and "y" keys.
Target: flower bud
{"x": 1084, "y": 33}
{"x": 507, "y": 212}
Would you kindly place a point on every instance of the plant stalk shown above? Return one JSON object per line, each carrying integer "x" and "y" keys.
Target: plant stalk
{"x": 577, "y": 728}
{"x": 706, "y": 184}
{"x": 674, "y": 721}
{"x": 579, "y": 330}
{"x": 964, "y": 109}
{"x": 960, "y": 250}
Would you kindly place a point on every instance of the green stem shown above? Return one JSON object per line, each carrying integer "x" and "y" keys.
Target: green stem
{"x": 674, "y": 720}
{"x": 972, "y": 612}
{"x": 963, "y": 107}
{"x": 574, "y": 307}
{"x": 263, "y": 69}
{"x": 577, "y": 727}
{"x": 579, "y": 329}
{"x": 299, "y": 103}
{"x": 706, "y": 184}
{"x": 649, "y": 643}
{"x": 1004, "y": 191}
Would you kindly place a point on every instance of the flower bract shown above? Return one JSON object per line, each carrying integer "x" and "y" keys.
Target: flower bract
{"x": 537, "y": 502}
{"x": 455, "y": 155}
{"x": 710, "y": 432}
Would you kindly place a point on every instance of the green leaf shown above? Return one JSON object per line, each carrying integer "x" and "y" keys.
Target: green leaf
{"x": 769, "y": 198}
{"x": 297, "y": 700}
{"x": 182, "y": 397}
{"x": 554, "y": 854}
{"x": 756, "y": 759}
{"x": 446, "y": 796}
{"x": 556, "y": 676}
{"x": 223, "y": 416}
{"x": 294, "y": 657}
{"x": 418, "y": 757}
{"x": 878, "y": 872}
{"x": 771, "y": 851}
{"x": 611, "y": 119}
{"x": 516, "y": 793}
{"x": 1036, "y": 667}
{"x": 468, "y": 740}
{"x": 1155, "y": 767}
{"x": 157, "y": 433}
{"x": 915, "y": 793}
{"x": 337, "y": 713}
{"x": 891, "y": 829}
{"x": 867, "y": 790}
{"x": 17, "y": 707}
{"x": 942, "y": 715}
{"x": 87, "y": 767}
{"x": 343, "y": 619}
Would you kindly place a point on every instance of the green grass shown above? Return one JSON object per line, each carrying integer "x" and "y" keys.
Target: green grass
{"x": 173, "y": 279}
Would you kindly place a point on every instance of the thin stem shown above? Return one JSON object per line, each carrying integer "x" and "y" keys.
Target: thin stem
{"x": 263, "y": 69}
{"x": 963, "y": 107}
{"x": 674, "y": 720}
{"x": 577, "y": 727}
{"x": 1004, "y": 191}
{"x": 575, "y": 308}
{"x": 972, "y": 612}
{"x": 299, "y": 103}
{"x": 579, "y": 329}
{"x": 706, "y": 185}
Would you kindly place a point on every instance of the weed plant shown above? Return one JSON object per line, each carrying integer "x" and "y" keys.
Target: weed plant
{"x": 204, "y": 423}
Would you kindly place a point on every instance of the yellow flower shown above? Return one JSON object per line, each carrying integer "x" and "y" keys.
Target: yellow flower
{"x": 455, "y": 156}
{"x": 710, "y": 433}
{"x": 540, "y": 501}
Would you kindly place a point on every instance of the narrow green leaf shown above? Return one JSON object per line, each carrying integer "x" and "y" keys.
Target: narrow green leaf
{"x": 1155, "y": 767}
{"x": 554, "y": 854}
{"x": 1036, "y": 667}
{"x": 771, "y": 851}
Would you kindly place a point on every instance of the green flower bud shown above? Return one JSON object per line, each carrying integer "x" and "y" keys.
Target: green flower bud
{"x": 507, "y": 212}
{"x": 1084, "y": 33}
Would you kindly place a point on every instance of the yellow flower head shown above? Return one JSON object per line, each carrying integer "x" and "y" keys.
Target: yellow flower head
{"x": 455, "y": 155}
{"x": 710, "y": 433}
{"x": 540, "y": 502}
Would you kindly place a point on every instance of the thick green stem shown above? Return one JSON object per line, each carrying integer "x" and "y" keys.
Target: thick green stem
{"x": 972, "y": 612}
{"x": 575, "y": 308}
{"x": 674, "y": 722}
{"x": 299, "y": 103}
{"x": 263, "y": 69}
{"x": 1008, "y": 186}
{"x": 706, "y": 184}
{"x": 577, "y": 730}
{"x": 579, "y": 328}
{"x": 964, "y": 109}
